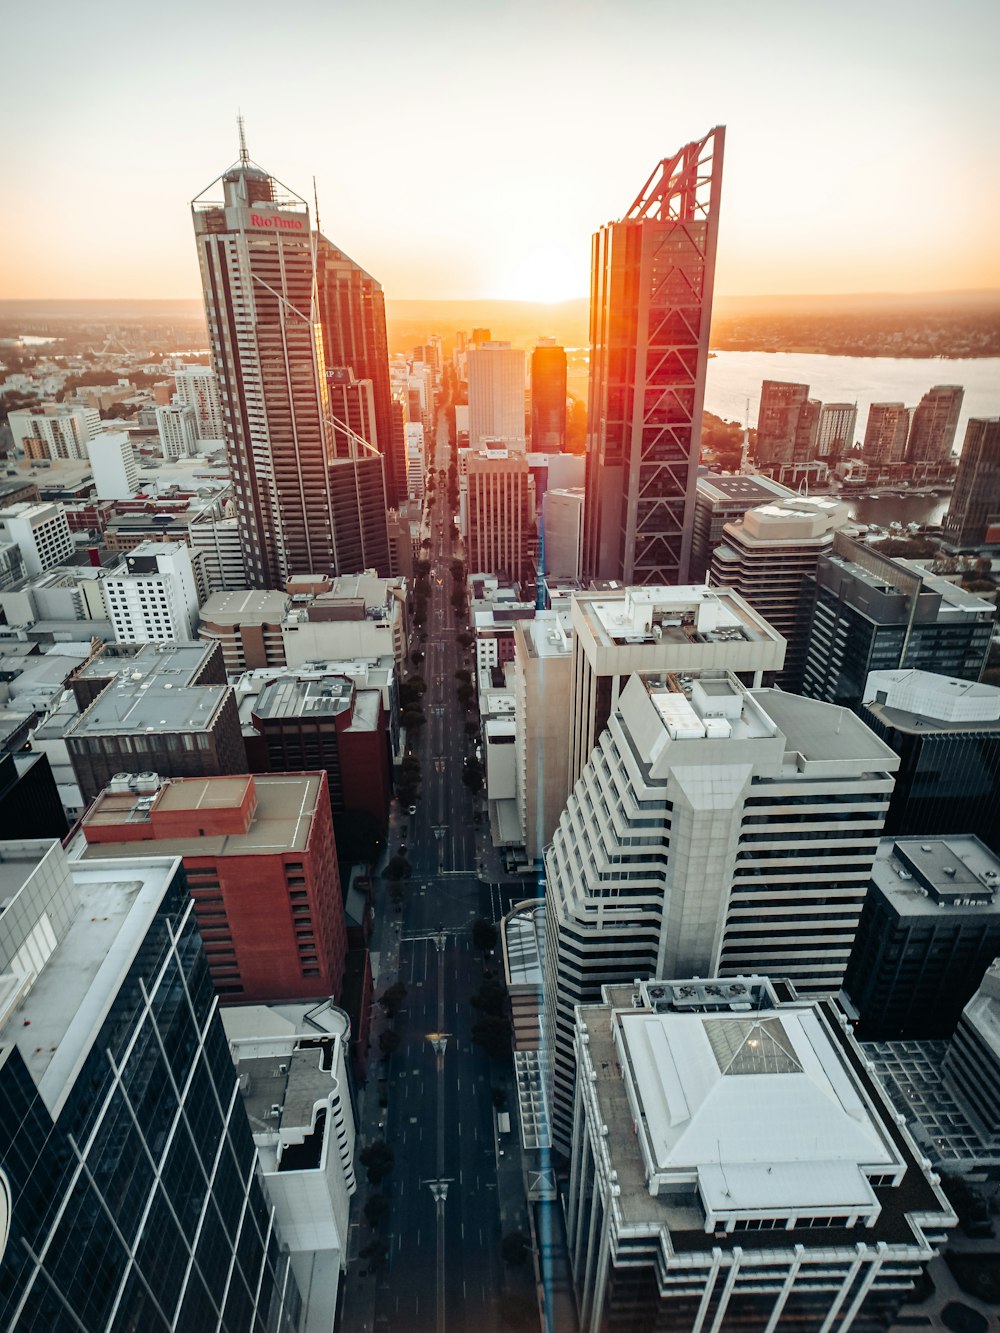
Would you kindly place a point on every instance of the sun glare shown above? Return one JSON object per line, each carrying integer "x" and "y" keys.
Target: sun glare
{"x": 547, "y": 274}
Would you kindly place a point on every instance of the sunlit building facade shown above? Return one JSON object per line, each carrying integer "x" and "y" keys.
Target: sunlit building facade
{"x": 652, "y": 278}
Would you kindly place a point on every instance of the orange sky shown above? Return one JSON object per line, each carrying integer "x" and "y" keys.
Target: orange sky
{"x": 465, "y": 151}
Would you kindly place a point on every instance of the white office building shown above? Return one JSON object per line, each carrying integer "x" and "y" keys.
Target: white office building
{"x": 716, "y": 830}
{"x": 112, "y": 460}
{"x": 414, "y": 459}
{"x": 40, "y": 531}
{"x": 562, "y": 524}
{"x": 217, "y": 537}
{"x": 177, "y": 427}
{"x": 836, "y": 429}
{"x": 496, "y": 396}
{"x": 154, "y": 597}
{"x": 736, "y": 1165}
{"x": 196, "y": 387}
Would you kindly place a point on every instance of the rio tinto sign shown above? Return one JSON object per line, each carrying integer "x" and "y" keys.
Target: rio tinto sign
{"x": 275, "y": 223}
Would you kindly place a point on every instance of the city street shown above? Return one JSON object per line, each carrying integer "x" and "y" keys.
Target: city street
{"x": 444, "y": 1269}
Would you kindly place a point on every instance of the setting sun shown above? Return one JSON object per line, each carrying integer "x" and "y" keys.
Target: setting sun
{"x": 547, "y": 274}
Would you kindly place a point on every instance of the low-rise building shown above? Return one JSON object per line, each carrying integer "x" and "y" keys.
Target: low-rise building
{"x": 247, "y": 624}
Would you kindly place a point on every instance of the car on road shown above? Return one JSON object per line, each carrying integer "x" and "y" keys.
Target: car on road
{"x": 411, "y": 809}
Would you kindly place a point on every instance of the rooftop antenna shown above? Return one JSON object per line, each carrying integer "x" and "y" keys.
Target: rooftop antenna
{"x": 244, "y": 155}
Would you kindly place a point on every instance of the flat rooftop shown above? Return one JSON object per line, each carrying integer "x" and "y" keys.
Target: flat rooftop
{"x": 523, "y": 944}
{"x": 821, "y": 731}
{"x": 682, "y": 614}
{"x": 245, "y": 606}
{"x": 178, "y": 662}
{"x": 752, "y": 490}
{"x": 923, "y": 701}
{"x": 130, "y": 706}
{"x": 282, "y": 820}
{"x": 289, "y": 697}
{"x": 925, "y": 876}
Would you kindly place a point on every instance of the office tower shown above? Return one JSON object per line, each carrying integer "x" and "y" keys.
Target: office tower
{"x": 215, "y": 535}
{"x": 865, "y": 612}
{"x": 935, "y": 420}
{"x": 562, "y": 524}
{"x": 255, "y": 253}
{"x": 132, "y": 1195}
{"x": 479, "y": 336}
{"x": 681, "y": 849}
{"x": 807, "y": 431}
{"x": 291, "y": 1062}
{"x": 886, "y": 433}
{"x": 261, "y": 865}
{"x": 415, "y": 460}
{"x": 835, "y": 431}
{"x": 781, "y": 404}
{"x": 40, "y": 531}
{"x": 929, "y": 930}
{"x": 313, "y": 722}
{"x": 501, "y": 535}
{"x": 766, "y": 557}
{"x": 153, "y": 597}
{"x": 196, "y": 387}
{"x": 155, "y": 727}
{"x": 973, "y": 516}
{"x": 972, "y": 1061}
{"x": 947, "y": 735}
{"x": 55, "y": 432}
{"x": 112, "y": 461}
{"x": 496, "y": 396}
{"x": 722, "y": 500}
{"x": 351, "y": 309}
{"x": 177, "y": 427}
{"x": 619, "y": 631}
{"x": 357, "y": 476}
{"x": 356, "y": 616}
{"x": 736, "y": 1165}
{"x": 542, "y": 672}
{"x": 548, "y": 397}
{"x": 652, "y": 276}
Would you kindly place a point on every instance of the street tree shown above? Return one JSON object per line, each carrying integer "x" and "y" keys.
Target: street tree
{"x": 378, "y": 1159}
{"x": 376, "y": 1209}
{"x": 514, "y": 1248}
{"x": 484, "y": 934}
{"x": 376, "y": 1252}
{"x": 388, "y": 1042}
{"x": 492, "y": 1032}
{"x": 491, "y": 998}
{"x": 464, "y": 676}
{"x": 397, "y": 868}
{"x": 392, "y": 998}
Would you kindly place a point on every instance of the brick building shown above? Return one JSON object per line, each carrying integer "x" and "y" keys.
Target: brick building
{"x": 261, "y": 866}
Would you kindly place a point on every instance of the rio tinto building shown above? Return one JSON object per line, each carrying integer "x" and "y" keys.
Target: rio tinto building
{"x": 255, "y": 250}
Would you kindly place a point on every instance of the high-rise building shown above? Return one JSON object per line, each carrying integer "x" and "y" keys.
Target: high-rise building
{"x": 255, "y": 252}
{"x": 351, "y": 309}
{"x": 935, "y": 420}
{"x": 112, "y": 461}
{"x": 722, "y": 500}
{"x": 40, "y": 531}
{"x": 357, "y": 476}
{"x": 681, "y": 848}
{"x": 562, "y": 524}
{"x": 501, "y": 535}
{"x": 542, "y": 672}
{"x": 216, "y": 538}
{"x": 973, "y": 516}
{"x": 886, "y": 433}
{"x": 835, "y": 432}
{"x": 781, "y": 404}
{"x": 652, "y": 277}
{"x": 866, "y": 612}
{"x": 55, "y": 432}
{"x": 929, "y": 930}
{"x": 131, "y": 1188}
{"x": 262, "y": 868}
{"x": 618, "y": 631}
{"x": 496, "y": 396}
{"x": 153, "y": 597}
{"x": 766, "y": 556}
{"x": 548, "y": 397}
{"x": 736, "y": 1165}
{"x": 177, "y": 426}
{"x": 947, "y": 735}
{"x": 196, "y": 387}
{"x": 972, "y": 1061}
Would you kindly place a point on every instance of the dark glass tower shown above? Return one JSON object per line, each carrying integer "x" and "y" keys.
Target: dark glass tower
{"x": 975, "y": 505}
{"x": 351, "y": 309}
{"x": 129, "y": 1184}
{"x": 652, "y": 277}
{"x": 548, "y": 397}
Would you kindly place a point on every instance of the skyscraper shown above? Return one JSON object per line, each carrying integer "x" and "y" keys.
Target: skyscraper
{"x": 935, "y": 420}
{"x": 886, "y": 433}
{"x": 548, "y": 396}
{"x": 255, "y": 251}
{"x": 975, "y": 504}
{"x": 652, "y": 276}
{"x": 835, "y": 435}
{"x": 496, "y": 396}
{"x": 781, "y": 402}
{"x": 196, "y": 387}
{"x": 351, "y": 308}
{"x": 501, "y": 534}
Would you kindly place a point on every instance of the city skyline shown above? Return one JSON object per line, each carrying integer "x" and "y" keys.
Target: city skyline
{"x": 498, "y": 195}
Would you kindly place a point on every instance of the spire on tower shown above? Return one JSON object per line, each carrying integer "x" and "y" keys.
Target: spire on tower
{"x": 316, "y": 202}
{"x": 244, "y": 155}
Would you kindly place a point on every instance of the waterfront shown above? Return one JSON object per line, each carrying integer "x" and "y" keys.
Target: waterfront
{"x": 733, "y": 377}
{"x": 926, "y": 510}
